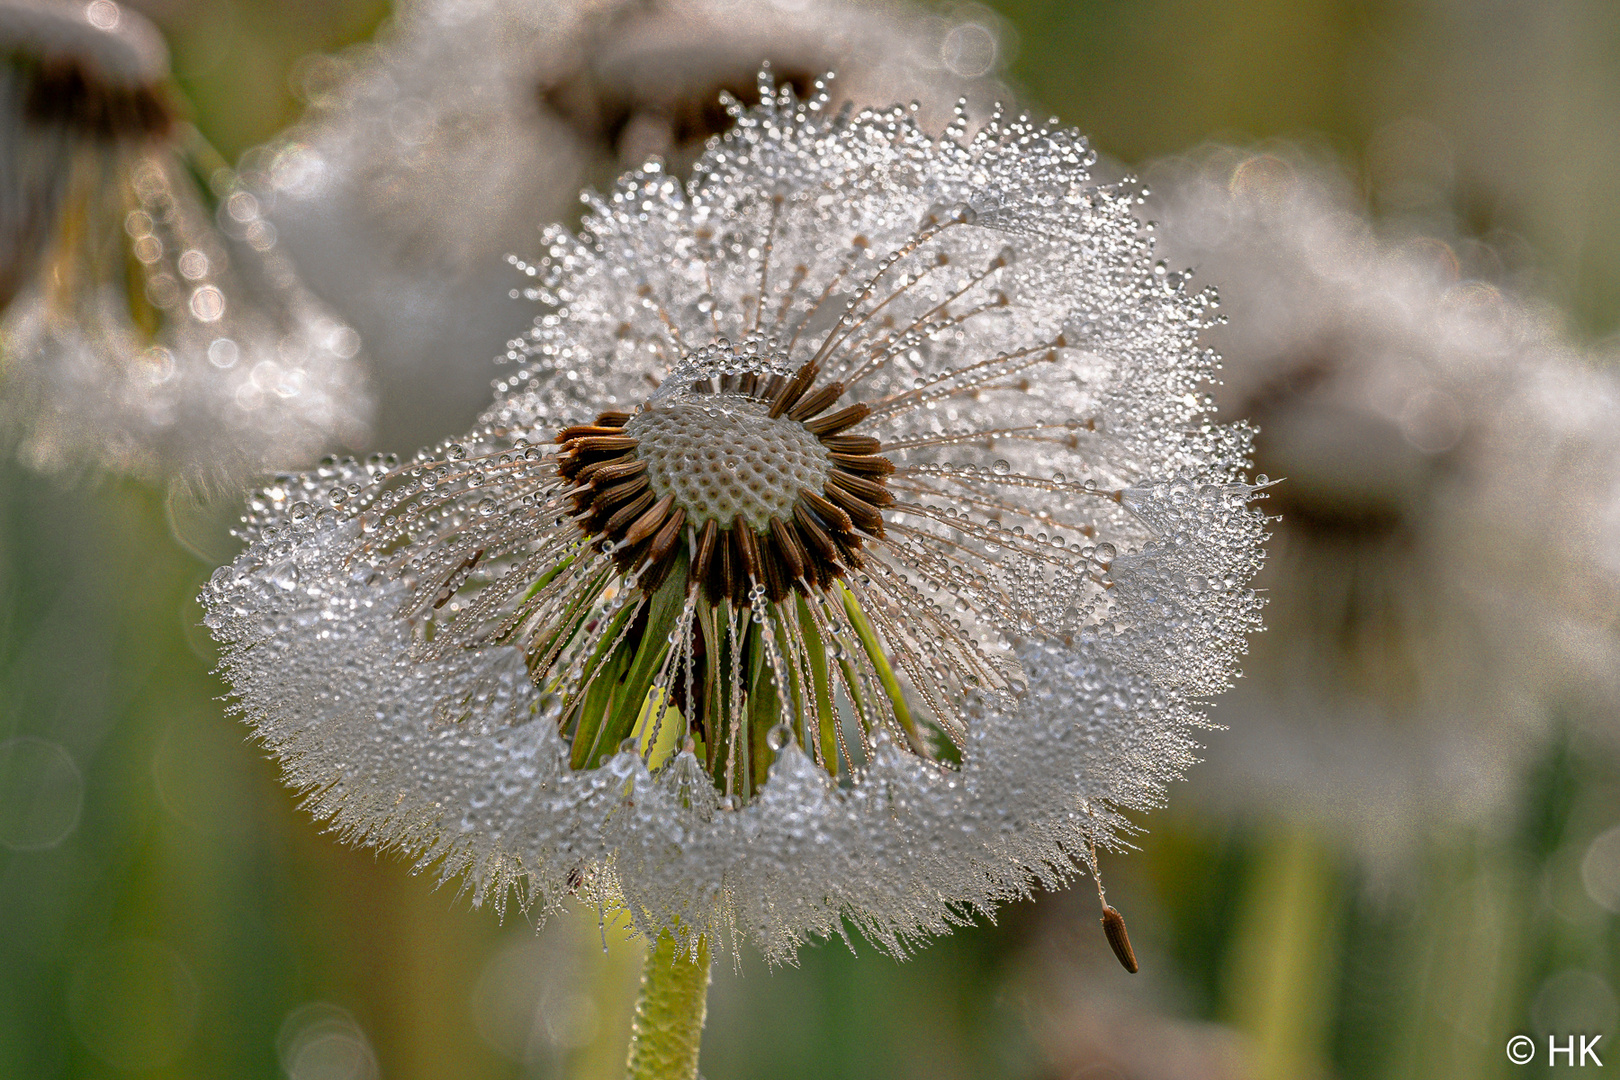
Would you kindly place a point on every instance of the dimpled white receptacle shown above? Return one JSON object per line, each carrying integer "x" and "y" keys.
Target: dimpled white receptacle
{"x": 722, "y": 461}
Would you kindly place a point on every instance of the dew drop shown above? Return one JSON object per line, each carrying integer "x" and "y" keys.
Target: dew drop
{"x": 285, "y": 576}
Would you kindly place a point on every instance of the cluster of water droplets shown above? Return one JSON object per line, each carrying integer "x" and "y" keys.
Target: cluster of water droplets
{"x": 755, "y": 354}
{"x": 1070, "y": 542}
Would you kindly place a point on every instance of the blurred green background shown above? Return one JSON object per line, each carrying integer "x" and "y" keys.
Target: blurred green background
{"x": 167, "y": 911}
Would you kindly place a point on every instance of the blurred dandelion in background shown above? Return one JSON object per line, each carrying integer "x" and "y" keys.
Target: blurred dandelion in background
{"x": 430, "y": 154}
{"x": 1443, "y": 650}
{"x": 894, "y": 564}
{"x": 146, "y": 331}
{"x": 1444, "y": 571}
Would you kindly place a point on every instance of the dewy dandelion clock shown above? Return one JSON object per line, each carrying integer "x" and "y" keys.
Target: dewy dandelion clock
{"x": 882, "y": 557}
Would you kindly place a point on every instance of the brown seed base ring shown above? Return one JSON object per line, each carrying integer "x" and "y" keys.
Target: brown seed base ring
{"x": 613, "y": 499}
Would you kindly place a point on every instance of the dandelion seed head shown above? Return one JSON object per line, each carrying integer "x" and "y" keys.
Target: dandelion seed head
{"x": 1437, "y": 567}
{"x": 852, "y": 540}
{"x": 430, "y": 155}
{"x": 121, "y": 46}
{"x": 144, "y": 332}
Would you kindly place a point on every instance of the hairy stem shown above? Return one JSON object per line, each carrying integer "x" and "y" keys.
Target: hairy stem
{"x": 669, "y": 1015}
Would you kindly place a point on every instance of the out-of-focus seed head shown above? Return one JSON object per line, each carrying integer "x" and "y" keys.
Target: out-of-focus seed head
{"x": 143, "y": 332}
{"x": 87, "y": 72}
{"x": 429, "y": 156}
{"x": 850, "y": 539}
{"x": 1447, "y": 460}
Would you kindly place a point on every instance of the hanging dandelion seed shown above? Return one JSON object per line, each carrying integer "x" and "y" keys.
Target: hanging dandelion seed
{"x": 850, "y": 539}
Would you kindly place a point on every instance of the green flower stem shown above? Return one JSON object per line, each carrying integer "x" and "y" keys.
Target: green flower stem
{"x": 669, "y": 1015}
{"x": 1285, "y": 960}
